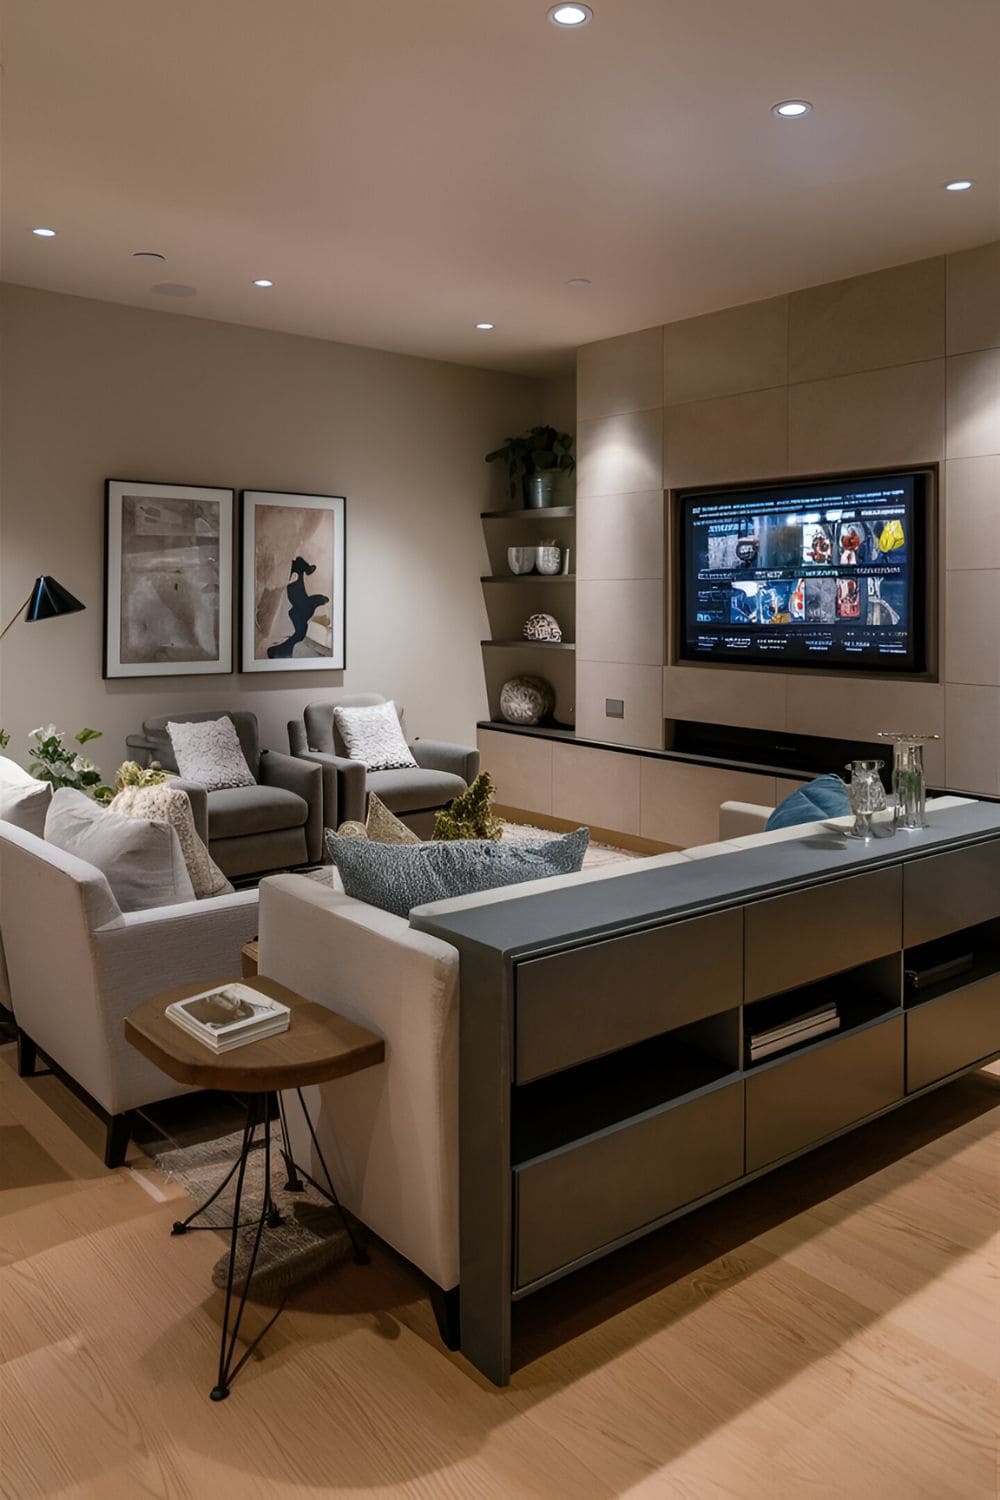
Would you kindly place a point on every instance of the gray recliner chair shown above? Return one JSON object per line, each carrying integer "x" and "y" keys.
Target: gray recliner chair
{"x": 274, "y": 825}
{"x": 442, "y": 772}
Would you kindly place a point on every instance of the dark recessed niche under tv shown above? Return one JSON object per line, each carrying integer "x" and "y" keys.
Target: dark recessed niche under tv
{"x": 815, "y": 573}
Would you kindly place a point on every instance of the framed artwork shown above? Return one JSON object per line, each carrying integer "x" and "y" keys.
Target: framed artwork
{"x": 292, "y": 613}
{"x": 168, "y": 579}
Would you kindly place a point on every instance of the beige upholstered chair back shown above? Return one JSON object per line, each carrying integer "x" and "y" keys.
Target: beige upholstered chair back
{"x": 321, "y": 726}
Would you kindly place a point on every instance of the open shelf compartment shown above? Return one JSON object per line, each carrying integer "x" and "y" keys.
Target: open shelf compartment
{"x": 863, "y": 994}
{"x": 961, "y": 958}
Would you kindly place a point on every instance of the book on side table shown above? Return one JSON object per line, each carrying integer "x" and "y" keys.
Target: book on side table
{"x": 229, "y": 1017}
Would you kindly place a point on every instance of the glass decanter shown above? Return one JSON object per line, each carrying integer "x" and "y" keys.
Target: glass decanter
{"x": 909, "y": 785}
{"x": 866, "y": 795}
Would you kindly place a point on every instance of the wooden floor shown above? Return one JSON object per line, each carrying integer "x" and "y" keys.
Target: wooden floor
{"x": 829, "y": 1331}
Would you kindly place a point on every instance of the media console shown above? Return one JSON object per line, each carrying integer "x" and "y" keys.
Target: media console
{"x": 606, "y": 1084}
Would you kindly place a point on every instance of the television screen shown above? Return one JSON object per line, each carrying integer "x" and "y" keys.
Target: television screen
{"x": 827, "y": 573}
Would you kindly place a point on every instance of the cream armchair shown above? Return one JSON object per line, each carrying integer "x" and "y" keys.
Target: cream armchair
{"x": 77, "y": 965}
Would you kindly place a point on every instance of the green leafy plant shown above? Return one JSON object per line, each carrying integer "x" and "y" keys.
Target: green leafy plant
{"x": 130, "y": 773}
{"x": 470, "y": 815}
{"x": 55, "y": 762}
{"x": 536, "y": 451}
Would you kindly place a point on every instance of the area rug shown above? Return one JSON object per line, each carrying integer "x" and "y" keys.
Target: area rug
{"x": 308, "y": 1241}
{"x": 597, "y": 854}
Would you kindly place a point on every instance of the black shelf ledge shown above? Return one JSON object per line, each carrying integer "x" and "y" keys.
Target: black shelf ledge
{"x": 534, "y": 645}
{"x": 528, "y": 578}
{"x": 534, "y": 513}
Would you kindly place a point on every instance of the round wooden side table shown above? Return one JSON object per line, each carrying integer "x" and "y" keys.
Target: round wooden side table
{"x": 318, "y": 1047}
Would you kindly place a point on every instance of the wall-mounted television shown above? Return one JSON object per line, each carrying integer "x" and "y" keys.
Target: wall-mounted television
{"x": 811, "y": 574}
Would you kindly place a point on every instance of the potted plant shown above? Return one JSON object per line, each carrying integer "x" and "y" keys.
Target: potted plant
{"x": 534, "y": 462}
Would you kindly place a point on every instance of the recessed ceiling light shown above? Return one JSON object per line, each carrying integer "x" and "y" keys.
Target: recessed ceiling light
{"x": 791, "y": 109}
{"x": 578, "y": 281}
{"x": 485, "y": 327}
{"x": 263, "y": 281}
{"x": 147, "y": 255}
{"x": 960, "y": 185}
{"x": 570, "y": 15}
{"x": 45, "y": 234}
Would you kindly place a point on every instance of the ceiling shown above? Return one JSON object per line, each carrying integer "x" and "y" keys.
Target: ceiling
{"x": 404, "y": 170}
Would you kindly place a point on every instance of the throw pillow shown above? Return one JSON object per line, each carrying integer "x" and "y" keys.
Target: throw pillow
{"x": 374, "y": 736}
{"x": 826, "y": 797}
{"x": 209, "y": 751}
{"x": 397, "y": 877}
{"x": 141, "y": 859}
{"x": 162, "y": 803}
{"x": 384, "y": 827}
{"x": 23, "y": 800}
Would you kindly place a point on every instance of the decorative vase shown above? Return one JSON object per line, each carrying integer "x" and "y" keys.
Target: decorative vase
{"x": 542, "y": 628}
{"x": 866, "y": 795}
{"x": 548, "y": 558}
{"x": 909, "y": 785}
{"x": 521, "y": 559}
{"x": 540, "y": 488}
{"x": 526, "y": 700}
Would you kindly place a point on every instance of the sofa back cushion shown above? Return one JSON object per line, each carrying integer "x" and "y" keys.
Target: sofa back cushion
{"x": 397, "y": 877}
{"x": 23, "y": 800}
{"x": 141, "y": 860}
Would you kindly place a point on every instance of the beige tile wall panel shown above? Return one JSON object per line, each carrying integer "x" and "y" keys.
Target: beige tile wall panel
{"x": 892, "y": 317}
{"x": 596, "y": 787}
{"x": 715, "y": 695}
{"x": 973, "y": 760}
{"x": 680, "y": 802}
{"x": 521, "y": 767}
{"x": 725, "y": 353}
{"x": 974, "y": 404}
{"x": 619, "y": 455}
{"x": 620, "y": 536}
{"x": 972, "y": 625}
{"x": 620, "y": 620}
{"x": 857, "y": 708}
{"x": 879, "y": 418}
{"x": 972, "y": 512}
{"x": 641, "y": 689}
{"x": 973, "y": 299}
{"x": 620, "y": 375}
{"x": 734, "y": 438}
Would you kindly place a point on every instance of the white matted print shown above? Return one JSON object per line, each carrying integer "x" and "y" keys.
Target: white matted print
{"x": 168, "y": 584}
{"x": 293, "y": 550}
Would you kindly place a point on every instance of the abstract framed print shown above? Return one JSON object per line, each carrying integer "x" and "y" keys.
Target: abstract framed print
{"x": 168, "y": 579}
{"x": 293, "y": 577}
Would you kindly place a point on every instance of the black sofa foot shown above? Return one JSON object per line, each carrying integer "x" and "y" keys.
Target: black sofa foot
{"x": 27, "y": 1055}
{"x": 117, "y": 1139}
{"x": 446, "y": 1313}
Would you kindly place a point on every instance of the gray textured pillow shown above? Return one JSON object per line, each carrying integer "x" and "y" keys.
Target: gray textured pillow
{"x": 398, "y": 877}
{"x": 141, "y": 860}
{"x": 209, "y": 751}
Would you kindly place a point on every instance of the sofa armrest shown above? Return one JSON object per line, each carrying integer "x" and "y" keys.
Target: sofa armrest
{"x": 739, "y": 819}
{"x": 439, "y": 755}
{"x": 155, "y": 950}
{"x": 198, "y": 798}
{"x": 346, "y": 788}
{"x": 143, "y": 748}
{"x": 298, "y": 740}
{"x": 306, "y": 781}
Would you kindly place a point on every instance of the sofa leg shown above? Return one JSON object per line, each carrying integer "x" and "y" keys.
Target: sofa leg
{"x": 27, "y": 1055}
{"x": 117, "y": 1139}
{"x": 446, "y": 1313}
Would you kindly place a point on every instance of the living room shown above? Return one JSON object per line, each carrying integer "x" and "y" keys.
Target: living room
{"x": 657, "y": 1073}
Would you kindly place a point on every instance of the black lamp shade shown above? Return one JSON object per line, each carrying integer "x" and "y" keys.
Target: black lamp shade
{"x": 49, "y": 598}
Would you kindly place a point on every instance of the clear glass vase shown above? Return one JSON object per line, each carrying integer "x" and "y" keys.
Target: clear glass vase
{"x": 909, "y": 785}
{"x": 866, "y": 795}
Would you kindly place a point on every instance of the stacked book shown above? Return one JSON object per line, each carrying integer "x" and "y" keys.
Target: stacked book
{"x": 229, "y": 1017}
{"x": 804, "y": 1028}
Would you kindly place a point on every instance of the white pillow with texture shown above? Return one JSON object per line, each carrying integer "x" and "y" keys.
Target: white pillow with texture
{"x": 374, "y": 736}
{"x": 141, "y": 859}
{"x": 209, "y": 751}
{"x": 23, "y": 800}
{"x": 163, "y": 803}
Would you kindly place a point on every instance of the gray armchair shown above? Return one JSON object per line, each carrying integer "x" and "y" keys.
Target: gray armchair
{"x": 274, "y": 825}
{"x": 443, "y": 770}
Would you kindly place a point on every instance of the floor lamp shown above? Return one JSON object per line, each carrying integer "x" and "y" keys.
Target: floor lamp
{"x": 46, "y": 600}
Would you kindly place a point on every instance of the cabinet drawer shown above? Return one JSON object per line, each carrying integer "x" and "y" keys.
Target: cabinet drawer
{"x": 947, "y": 892}
{"x": 953, "y": 1032}
{"x": 574, "y": 1201}
{"x": 578, "y": 1005}
{"x": 818, "y": 1093}
{"x": 795, "y": 939}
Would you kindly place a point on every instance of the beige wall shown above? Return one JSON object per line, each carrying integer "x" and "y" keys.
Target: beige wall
{"x": 898, "y": 367}
{"x": 92, "y": 389}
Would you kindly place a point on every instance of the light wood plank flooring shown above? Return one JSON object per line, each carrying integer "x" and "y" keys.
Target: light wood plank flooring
{"x": 831, "y": 1331}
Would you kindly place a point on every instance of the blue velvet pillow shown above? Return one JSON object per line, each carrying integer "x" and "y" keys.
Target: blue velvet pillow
{"x": 397, "y": 877}
{"x": 826, "y": 797}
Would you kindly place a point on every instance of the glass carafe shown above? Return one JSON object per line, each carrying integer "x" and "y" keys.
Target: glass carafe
{"x": 866, "y": 795}
{"x": 909, "y": 786}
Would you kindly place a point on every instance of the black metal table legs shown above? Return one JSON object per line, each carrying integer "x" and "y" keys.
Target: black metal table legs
{"x": 262, "y": 1110}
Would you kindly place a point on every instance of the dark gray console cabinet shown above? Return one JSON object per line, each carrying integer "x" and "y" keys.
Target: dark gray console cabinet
{"x": 606, "y": 1084}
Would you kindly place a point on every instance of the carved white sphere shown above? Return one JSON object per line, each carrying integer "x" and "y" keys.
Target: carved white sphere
{"x": 526, "y": 700}
{"x": 542, "y": 628}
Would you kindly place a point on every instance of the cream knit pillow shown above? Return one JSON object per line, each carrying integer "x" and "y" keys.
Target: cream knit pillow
{"x": 167, "y": 804}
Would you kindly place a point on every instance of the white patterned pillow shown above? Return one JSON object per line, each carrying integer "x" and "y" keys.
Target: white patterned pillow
{"x": 209, "y": 751}
{"x": 374, "y": 737}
